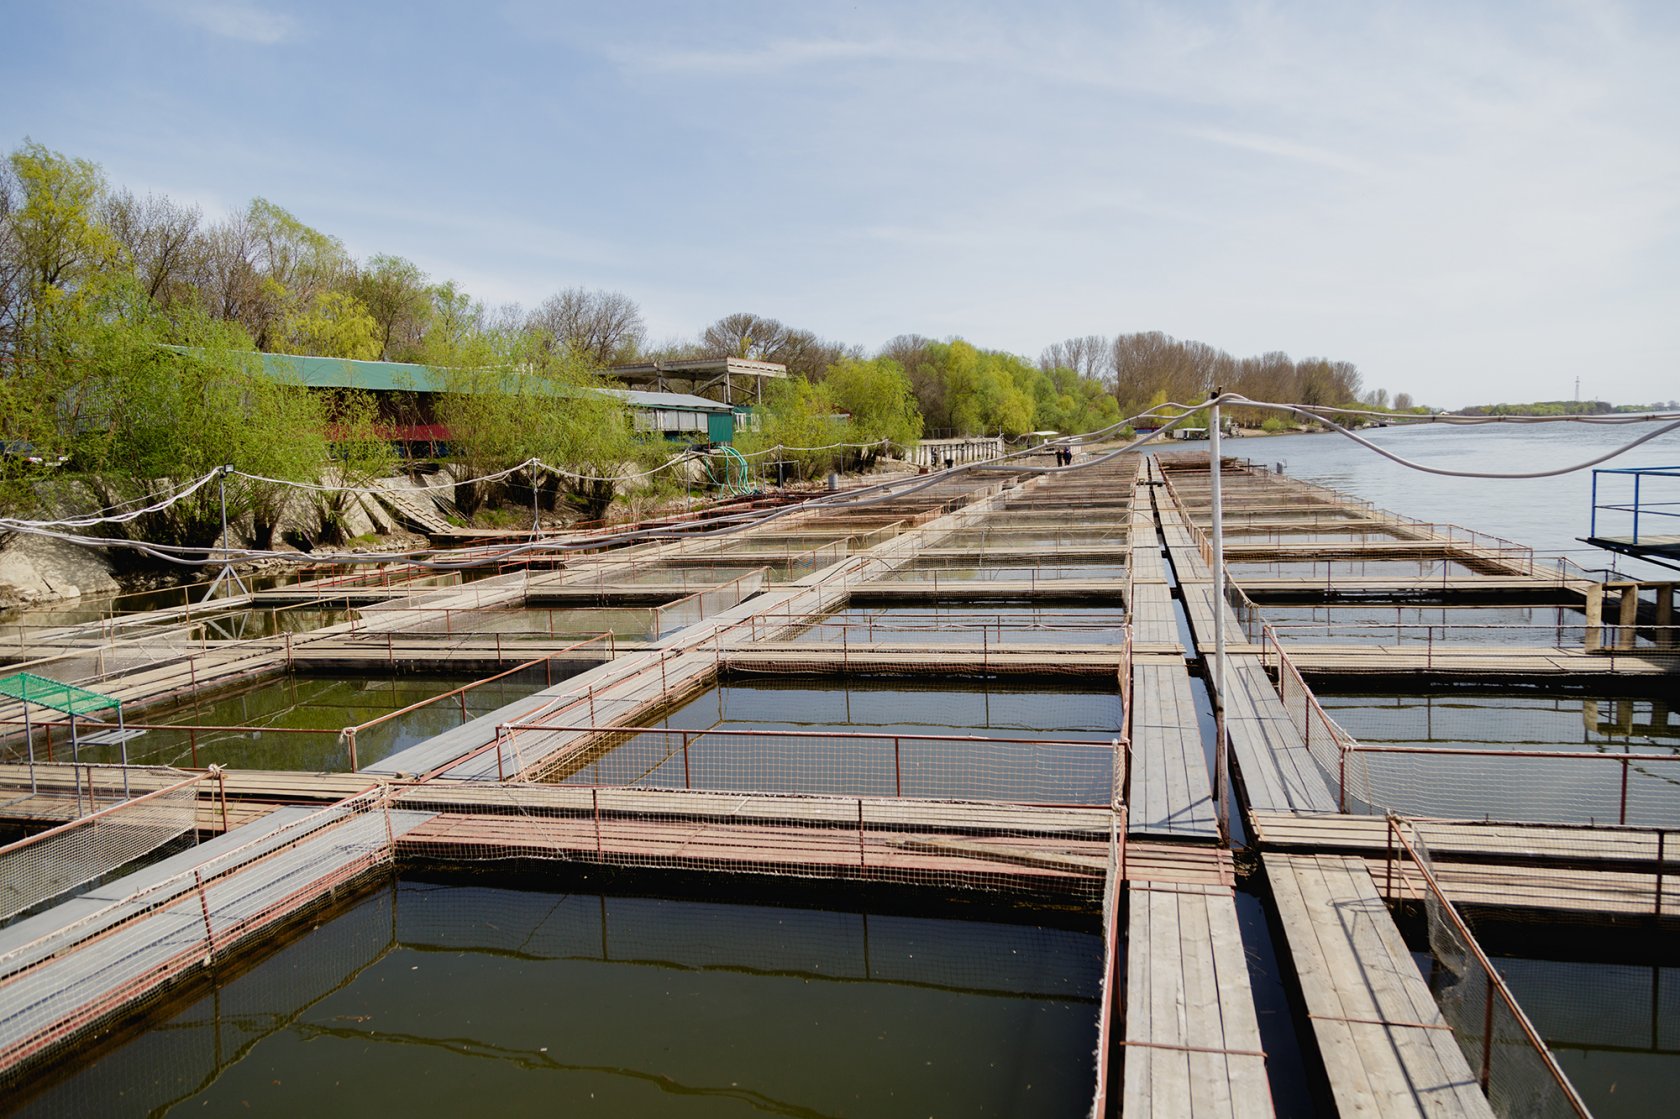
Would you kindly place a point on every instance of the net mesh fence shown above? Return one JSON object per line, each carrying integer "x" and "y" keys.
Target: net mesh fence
{"x": 924, "y": 766}
{"x": 45, "y": 866}
{"x": 1511, "y": 1062}
{"x": 697, "y": 607}
{"x": 67, "y": 973}
{"x": 1514, "y": 755}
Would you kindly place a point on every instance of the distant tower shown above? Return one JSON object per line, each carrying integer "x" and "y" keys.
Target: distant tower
{"x": 1577, "y": 390}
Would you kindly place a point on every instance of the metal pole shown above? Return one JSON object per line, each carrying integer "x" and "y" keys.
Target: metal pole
{"x": 1636, "y": 508}
{"x": 1222, "y": 774}
{"x": 1592, "y": 523}
{"x": 75, "y": 763}
{"x": 29, "y": 738}
{"x": 221, "y": 485}
{"x": 122, "y": 740}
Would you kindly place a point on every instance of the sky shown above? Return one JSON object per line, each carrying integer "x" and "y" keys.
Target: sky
{"x": 1472, "y": 202}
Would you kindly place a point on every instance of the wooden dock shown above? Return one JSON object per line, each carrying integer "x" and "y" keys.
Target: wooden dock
{"x": 1385, "y": 1045}
{"x": 1192, "y": 1041}
{"x": 1188, "y": 1036}
{"x": 1170, "y": 792}
{"x": 87, "y": 961}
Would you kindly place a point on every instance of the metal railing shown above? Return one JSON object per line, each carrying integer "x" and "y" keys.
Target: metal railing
{"x": 1640, "y": 507}
{"x": 1513, "y": 1065}
{"x": 1346, "y": 762}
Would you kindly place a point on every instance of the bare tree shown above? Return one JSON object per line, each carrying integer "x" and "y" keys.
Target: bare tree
{"x": 809, "y": 356}
{"x": 12, "y": 266}
{"x": 395, "y": 293}
{"x": 1344, "y": 380}
{"x": 745, "y": 335}
{"x": 228, "y": 281}
{"x": 159, "y": 236}
{"x": 601, "y": 327}
{"x": 1090, "y": 356}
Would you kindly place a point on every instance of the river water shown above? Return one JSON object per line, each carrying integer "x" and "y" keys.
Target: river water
{"x": 1548, "y": 514}
{"x": 456, "y": 998}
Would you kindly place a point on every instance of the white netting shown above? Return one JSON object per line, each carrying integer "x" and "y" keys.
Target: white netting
{"x": 64, "y": 974}
{"x": 1512, "y": 1064}
{"x": 41, "y": 867}
{"x": 699, "y": 606}
{"x": 920, "y": 766}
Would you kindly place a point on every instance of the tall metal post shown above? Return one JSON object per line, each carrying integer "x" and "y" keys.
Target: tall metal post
{"x": 1222, "y": 755}
{"x": 29, "y": 737}
{"x": 122, "y": 741}
{"x": 227, "y": 573}
{"x": 76, "y": 763}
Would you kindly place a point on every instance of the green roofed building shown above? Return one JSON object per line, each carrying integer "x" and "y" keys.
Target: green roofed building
{"x": 407, "y": 396}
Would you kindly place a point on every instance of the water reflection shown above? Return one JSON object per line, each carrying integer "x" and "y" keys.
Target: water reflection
{"x": 897, "y": 758}
{"x": 431, "y": 999}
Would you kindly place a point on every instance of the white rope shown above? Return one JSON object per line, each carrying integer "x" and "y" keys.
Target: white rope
{"x": 1674, "y": 424}
{"x": 780, "y": 447}
{"x": 187, "y": 490}
{"x": 321, "y": 487}
{"x": 862, "y": 497}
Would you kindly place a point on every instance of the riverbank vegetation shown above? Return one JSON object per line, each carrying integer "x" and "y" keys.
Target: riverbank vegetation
{"x": 130, "y": 326}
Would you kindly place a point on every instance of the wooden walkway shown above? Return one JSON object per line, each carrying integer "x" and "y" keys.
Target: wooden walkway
{"x": 1276, "y": 768}
{"x": 1385, "y": 1046}
{"x": 1192, "y": 1038}
{"x": 1189, "y": 1037}
{"x": 1272, "y": 760}
{"x": 817, "y": 837}
{"x": 1170, "y": 792}
{"x": 90, "y": 959}
{"x": 1497, "y": 662}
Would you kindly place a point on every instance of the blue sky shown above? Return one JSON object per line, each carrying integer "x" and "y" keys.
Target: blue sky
{"x": 1470, "y": 201}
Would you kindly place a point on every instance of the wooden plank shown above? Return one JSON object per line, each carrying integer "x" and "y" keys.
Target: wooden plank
{"x": 1537, "y": 890}
{"x": 1171, "y": 793}
{"x": 1383, "y": 1041}
{"x": 1188, "y": 1004}
{"x": 1465, "y": 839}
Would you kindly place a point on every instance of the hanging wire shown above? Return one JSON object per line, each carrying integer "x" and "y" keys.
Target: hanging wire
{"x": 859, "y": 497}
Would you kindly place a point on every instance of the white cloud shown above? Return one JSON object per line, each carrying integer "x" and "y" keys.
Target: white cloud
{"x": 242, "y": 20}
{"x": 1281, "y": 148}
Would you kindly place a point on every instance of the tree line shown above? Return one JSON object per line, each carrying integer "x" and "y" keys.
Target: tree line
{"x": 128, "y": 327}
{"x": 1151, "y": 368}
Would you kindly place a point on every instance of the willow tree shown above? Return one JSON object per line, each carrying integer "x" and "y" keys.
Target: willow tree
{"x": 536, "y": 403}
{"x": 799, "y": 421}
{"x": 361, "y": 454}
{"x": 175, "y": 415}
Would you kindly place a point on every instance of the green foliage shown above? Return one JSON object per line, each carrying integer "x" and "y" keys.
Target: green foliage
{"x": 361, "y": 453}
{"x": 987, "y": 392}
{"x": 534, "y": 403}
{"x": 63, "y": 252}
{"x": 176, "y": 416}
{"x": 797, "y": 413}
{"x": 1071, "y": 403}
{"x": 334, "y": 324}
{"x": 395, "y": 294}
{"x": 878, "y": 398}
{"x": 297, "y": 264}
